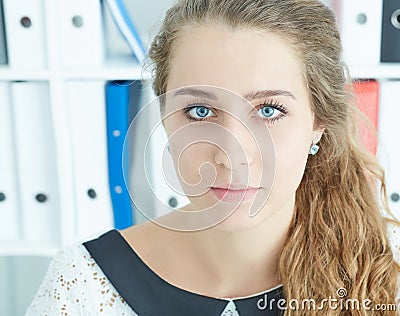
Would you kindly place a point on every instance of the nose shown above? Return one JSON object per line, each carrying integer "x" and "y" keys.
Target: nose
{"x": 235, "y": 150}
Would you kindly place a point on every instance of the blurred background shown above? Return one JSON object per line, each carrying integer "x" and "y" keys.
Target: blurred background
{"x": 71, "y": 82}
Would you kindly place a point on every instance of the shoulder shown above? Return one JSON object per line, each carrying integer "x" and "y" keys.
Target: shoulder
{"x": 75, "y": 283}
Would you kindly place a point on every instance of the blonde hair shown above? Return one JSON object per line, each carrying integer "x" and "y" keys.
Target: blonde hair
{"x": 338, "y": 237}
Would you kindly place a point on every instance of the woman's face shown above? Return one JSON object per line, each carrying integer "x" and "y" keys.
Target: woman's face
{"x": 232, "y": 144}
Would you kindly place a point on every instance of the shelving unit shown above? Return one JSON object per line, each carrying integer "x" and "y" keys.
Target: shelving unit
{"x": 56, "y": 80}
{"x": 382, "y": 71}
{"x": 115, "y": 67}
{"x": 119, "y": 64}
{"x": 110, "y": 71}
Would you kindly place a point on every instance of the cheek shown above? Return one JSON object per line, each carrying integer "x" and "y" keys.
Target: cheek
{"x": 291, "y": 152}
{"x": 192, "y": 165}
{"x": 291, "y": 158}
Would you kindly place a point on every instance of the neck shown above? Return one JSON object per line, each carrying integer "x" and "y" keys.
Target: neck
{"x": 252, "y": 254}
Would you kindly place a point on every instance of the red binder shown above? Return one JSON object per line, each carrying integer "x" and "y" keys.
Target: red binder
{"x": 367, "y": 94}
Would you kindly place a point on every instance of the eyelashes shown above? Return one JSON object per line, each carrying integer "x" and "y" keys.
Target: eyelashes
{"x": 269, "y": 111}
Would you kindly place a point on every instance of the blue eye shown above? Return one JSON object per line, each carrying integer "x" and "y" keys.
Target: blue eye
{"x": 267, "y": 111}
{"x": 197, "y": 112}
{"x": 201, "y": 111}
{"x": 272, "y": 112}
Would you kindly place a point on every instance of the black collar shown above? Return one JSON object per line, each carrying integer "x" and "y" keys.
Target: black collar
{"x": 150, "y": 295}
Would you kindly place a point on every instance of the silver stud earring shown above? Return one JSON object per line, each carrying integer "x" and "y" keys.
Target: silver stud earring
{"x": 313, "y": 149}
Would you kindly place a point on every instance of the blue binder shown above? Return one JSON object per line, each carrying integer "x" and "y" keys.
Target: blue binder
{"x": 122, "y": 99}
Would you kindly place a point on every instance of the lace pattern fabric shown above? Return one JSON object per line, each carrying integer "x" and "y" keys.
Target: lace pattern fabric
{"x": 75, "y": 285}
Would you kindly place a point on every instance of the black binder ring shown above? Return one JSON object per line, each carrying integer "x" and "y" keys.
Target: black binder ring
{"x": 396, "y": 19}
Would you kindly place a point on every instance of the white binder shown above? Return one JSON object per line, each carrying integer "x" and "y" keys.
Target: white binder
{"x": 389, "y": 131}
{"x": 81, "y": 33}
{"x": 9, "y": 208}
{"x": 25, "y": 32}
{"x": 36, "y": 161}
{"x": 360, "y": 24}
{"x": 87, "y": 120}
{"x": 127, "y": 28}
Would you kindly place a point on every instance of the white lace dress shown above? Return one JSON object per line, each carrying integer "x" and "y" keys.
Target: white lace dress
{"x": 75, "y": 285}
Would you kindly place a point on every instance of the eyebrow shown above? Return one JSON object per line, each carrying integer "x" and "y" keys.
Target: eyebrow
{"x": 252, "y": 95}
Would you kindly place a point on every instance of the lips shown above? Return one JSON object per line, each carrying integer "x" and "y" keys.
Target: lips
{"x": 239, "y": 193}
{"x": 235, "y": 186}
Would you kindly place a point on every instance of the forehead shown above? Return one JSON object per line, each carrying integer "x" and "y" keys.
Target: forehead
{"x": 239, "y": 60}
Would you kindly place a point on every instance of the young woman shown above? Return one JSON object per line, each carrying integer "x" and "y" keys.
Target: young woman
{"x": 270, "y": 73}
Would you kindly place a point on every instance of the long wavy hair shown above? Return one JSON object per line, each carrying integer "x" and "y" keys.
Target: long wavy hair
{"x": 338, "y": 235}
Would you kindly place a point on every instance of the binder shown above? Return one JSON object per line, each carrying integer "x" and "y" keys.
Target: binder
{"x": 25, "y": 32}
{"x": 87, "y": 121}
{"x": 115, "y": 44}
{"x": 389, "y": 130}
{"x": 3, "y": 44}
{"x": 9, "y": 207}
{"x": 123, "y": 101}
{"x": 360, "y": 24}
{"x": 36, "y": 161}
{"x": 127, "y": 28}
{"x": 367, "y": 94}
{"x": 390, "y": 50}
{"x": 81, "y": 33}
